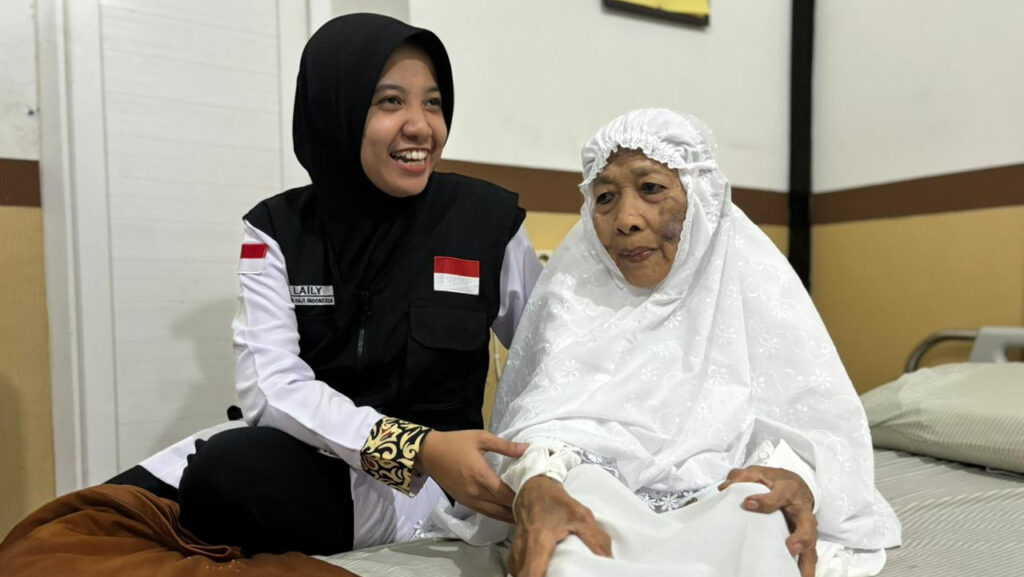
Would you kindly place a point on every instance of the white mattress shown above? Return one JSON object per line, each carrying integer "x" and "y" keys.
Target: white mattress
{"x": 957, "y": 520}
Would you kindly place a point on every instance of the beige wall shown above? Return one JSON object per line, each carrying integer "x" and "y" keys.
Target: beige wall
{"x": 26, "y": 441}
{"x": 884, "y": 285}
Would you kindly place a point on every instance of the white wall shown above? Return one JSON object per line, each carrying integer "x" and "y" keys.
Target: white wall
{"x": 535, "y": 78}
{"x": 19, "y": 121}
{"x": 911, "y": 88}
{"x": 321, "y": 11}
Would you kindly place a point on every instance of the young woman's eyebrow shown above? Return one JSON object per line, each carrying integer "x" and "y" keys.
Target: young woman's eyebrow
{"x": 399, "y": 88}
{"x": 383, "y": 87}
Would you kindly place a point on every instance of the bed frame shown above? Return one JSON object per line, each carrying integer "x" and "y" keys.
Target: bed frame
{"x": 991, "y": 344}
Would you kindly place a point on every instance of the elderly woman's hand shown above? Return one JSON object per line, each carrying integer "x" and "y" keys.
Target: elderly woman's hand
{"x": 545, "y": 515}
{"x": 790, "y": 494}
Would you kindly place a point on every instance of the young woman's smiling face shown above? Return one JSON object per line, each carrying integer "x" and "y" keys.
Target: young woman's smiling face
{"x": 405, "y": 129}
{"x": 639, "y": 208}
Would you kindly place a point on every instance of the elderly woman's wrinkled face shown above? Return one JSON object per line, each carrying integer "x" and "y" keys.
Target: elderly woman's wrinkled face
{"x": 639, "y": 208}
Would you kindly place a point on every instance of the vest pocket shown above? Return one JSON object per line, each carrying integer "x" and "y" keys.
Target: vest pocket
{"x": 446, "y": 366}
{"x": 448, "y": 328}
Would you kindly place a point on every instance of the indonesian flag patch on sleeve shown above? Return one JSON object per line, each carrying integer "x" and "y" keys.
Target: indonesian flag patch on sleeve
{"x": 254, "y": 255}
{"x": 456, "y": 275}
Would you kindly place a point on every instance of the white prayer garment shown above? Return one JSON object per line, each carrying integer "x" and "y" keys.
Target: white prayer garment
{"x": 671, "y": 387}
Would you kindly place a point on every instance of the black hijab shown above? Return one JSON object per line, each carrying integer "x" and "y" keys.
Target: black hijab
{"x": 338, "y": 74}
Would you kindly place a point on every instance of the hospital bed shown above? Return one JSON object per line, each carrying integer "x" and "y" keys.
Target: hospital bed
{"x": 949, "y": 458}
{"x": 960, "y": 498}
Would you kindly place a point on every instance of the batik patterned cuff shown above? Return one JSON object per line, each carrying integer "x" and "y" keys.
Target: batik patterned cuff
{"x": 390, "y": 453}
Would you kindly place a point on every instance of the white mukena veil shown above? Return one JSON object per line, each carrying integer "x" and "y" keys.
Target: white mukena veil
{"x": 678, "y": 384}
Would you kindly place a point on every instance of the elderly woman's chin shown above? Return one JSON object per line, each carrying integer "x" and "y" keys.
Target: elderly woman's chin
{"x": 644, "y": 270}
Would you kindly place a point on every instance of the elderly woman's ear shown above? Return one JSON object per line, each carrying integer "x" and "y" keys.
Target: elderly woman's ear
{"x": 639, "y": 209}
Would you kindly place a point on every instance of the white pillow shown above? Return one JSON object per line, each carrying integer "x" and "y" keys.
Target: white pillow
{"x": 967, "y": 412}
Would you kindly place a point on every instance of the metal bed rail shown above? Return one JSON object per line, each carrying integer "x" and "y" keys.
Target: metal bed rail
{"x": 991, "y": 344}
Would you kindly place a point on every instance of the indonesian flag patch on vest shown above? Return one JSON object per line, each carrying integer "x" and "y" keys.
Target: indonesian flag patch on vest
{"x": 253, "y": 257}
{"x": 456, "y": 275}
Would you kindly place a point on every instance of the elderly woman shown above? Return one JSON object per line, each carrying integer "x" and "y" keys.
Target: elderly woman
{"x": 686, "y": 410}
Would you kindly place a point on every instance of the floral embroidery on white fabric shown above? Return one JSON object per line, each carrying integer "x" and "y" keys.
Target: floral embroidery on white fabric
{"x": 569, "y": 370}
{"x": 648, "y": 374}
{"x": 768, "y": 344}
{"x": 674, "y": 320}
{"x": 716, "y": 376}
{"x": 726, "y": 335}
{"x": 821, "y": 380}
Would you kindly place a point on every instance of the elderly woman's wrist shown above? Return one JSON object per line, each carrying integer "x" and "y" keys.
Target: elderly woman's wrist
{"x": 540, "y": 482}
{"x": 532, "y": 491}
{"x": 546, "y": 457}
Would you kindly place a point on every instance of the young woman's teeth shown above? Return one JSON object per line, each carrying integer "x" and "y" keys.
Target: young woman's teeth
{"x": 410, "y": 156}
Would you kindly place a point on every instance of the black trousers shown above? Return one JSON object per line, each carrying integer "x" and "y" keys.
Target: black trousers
{"x": 265, "y": 491}
{"x": 138, "y": 476}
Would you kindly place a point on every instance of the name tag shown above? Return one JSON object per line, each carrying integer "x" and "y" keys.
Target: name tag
{"x": 312, "y": 295}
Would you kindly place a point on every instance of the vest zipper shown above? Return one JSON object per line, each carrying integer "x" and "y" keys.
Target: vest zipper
{"x": 367, "y": 313}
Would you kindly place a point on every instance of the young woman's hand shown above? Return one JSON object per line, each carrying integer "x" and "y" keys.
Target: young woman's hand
{"x": 545, "y": 515}
{"x": 790, "y": 494}
{"x": 455, "y": 460}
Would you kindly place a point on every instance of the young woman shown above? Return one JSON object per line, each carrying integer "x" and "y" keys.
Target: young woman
{"x": 365, "y": 310}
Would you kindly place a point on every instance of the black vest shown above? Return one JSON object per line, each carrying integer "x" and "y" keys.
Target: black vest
{"x": 402, "y": 347}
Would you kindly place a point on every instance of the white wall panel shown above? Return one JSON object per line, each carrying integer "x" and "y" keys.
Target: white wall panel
{"x": 219, "y": 15}
{"x": 187, "y": 162}
{"x": 216, "y": 43}
{"x": 183, "y": 81}
{"x": 193, "y": 128}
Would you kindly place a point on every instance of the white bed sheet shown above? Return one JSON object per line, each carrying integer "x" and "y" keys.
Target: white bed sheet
{"x": 424, "y": 558}
{"x": 957, "y": 519}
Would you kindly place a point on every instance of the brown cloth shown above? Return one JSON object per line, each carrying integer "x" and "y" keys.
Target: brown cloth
{"x": 111, "y": 530}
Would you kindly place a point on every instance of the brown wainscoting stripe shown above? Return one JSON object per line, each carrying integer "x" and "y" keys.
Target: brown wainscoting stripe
{"x": 546, "y": 190}
{"x": 986, "y": 188}
{"x": 539, "y": 189}
{"x": 763, "y": 206}
{"x": 19, "y": 183}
